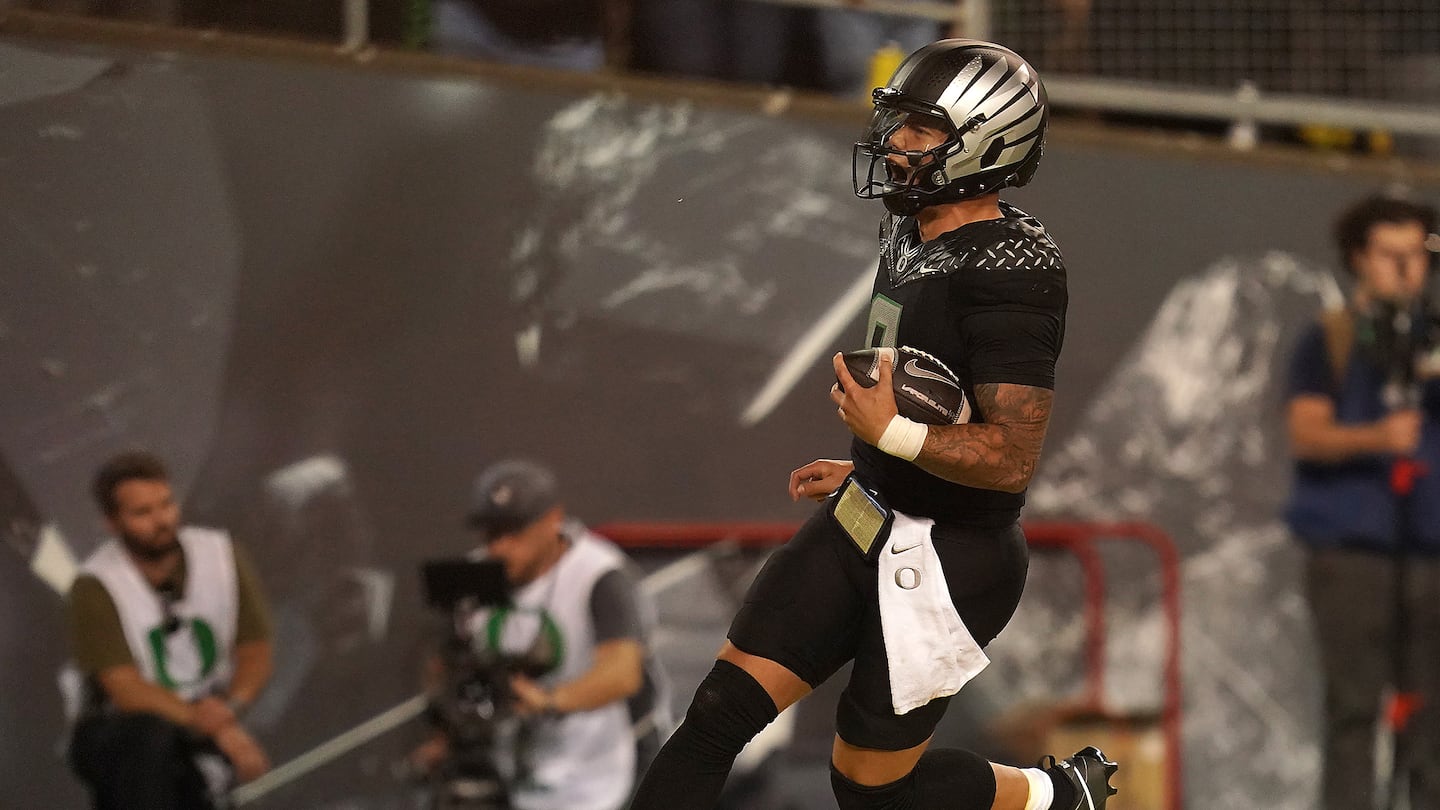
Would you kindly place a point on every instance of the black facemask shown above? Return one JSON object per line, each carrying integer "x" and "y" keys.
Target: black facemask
{"x": 906, "y": 204}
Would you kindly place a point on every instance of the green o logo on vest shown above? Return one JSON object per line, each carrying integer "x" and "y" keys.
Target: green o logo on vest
{"x": 204, "y": 637}
{"x": 529, "y": 637}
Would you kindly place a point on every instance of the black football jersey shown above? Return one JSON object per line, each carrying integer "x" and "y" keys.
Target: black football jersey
{"x": 989, "y": 300}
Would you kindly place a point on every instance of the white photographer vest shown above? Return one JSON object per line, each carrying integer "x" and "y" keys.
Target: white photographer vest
{"x": 194, "y": 659}
{"x": 581, "y": 760}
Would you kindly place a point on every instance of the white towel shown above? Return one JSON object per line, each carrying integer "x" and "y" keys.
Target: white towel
{"x": 931, "y": 652}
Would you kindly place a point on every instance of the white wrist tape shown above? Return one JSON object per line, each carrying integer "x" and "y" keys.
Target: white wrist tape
{"x": 903, "y": 438}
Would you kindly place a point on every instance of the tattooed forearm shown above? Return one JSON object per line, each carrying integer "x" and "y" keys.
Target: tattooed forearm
{"x": 1000, "y": 453}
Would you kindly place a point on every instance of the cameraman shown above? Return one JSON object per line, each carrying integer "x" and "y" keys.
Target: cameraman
{"x": 572, "y": 646}
{"x": 1364, "y": 425}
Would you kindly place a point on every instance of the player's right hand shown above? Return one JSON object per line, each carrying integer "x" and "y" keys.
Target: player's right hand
{"x": 819, "y": 478}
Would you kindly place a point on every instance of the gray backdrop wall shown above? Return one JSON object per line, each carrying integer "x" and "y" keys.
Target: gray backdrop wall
{"x": 329, "y": 295}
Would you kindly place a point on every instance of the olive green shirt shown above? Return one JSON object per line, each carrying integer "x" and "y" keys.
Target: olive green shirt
{"x": 97, "y": 638}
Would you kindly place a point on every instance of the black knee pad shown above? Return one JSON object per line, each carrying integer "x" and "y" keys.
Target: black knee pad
{"x": 728, "y": 710}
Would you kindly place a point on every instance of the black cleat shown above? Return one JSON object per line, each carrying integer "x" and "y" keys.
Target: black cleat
{"x": 1088, "y": 772}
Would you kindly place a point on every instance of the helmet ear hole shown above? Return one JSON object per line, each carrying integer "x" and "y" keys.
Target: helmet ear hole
{"x": 1027, "y": 169}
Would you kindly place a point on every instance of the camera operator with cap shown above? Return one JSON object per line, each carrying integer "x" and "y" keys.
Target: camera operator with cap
{"x": 573, "y": 644}
{"x": 1364, "y": 423}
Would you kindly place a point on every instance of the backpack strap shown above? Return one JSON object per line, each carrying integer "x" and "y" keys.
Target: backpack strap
{"x": 1339, "y": 326}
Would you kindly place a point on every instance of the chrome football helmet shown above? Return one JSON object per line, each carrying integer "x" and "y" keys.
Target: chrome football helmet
{"x": 990, "y": 109}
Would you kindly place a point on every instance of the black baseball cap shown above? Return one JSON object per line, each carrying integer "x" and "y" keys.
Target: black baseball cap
{"x": 510, "y": 495}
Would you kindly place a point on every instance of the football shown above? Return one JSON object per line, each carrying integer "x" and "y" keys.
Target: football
{"x": 925, "y": 389}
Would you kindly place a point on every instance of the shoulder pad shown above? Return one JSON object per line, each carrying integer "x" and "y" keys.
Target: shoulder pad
{"x": 1014, "y": 262}
{"x": 1015, "y": 247}
{"x": 1017, "y": 242}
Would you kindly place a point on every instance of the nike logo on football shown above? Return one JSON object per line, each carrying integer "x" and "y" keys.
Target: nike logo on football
{"x": 914, "y": 370}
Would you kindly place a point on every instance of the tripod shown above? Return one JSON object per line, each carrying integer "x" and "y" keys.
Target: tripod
{"x": 1406, "y": 339}
{"x": 1404, "y": 700}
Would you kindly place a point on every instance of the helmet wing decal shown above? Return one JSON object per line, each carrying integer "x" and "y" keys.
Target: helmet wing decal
{"x": 959, "y": 85}
{"x": 1015, "y": 151}
{"x": 978, "y": 91}
{"x": 1017, "y": 87}
{"x": 1012, "y": 116}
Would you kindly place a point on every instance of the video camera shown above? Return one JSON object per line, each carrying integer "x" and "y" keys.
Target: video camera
{"x": 475, "y": 696}
{"x": 1403, "y": 340}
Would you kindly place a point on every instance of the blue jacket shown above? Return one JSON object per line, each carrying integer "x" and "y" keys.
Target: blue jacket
{"x": 1351, "y": 504}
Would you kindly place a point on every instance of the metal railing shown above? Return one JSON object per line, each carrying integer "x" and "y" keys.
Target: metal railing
{"x": 1246, "y": 105}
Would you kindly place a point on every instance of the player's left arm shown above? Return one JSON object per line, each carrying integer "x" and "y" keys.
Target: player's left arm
{"x": 1001, "y": 453}
{"x": 1012, "y": 338}
{"x": 1011, "y": 355}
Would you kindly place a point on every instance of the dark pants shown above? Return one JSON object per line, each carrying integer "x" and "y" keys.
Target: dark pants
{"x": 139, "y": 762}
{"x": 1353, "y": 599}
{"x": 815, "y": 606}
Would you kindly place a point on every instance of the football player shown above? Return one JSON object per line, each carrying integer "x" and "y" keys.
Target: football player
{"x": 921, "y": 524}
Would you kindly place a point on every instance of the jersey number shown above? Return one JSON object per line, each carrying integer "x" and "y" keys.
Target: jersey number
{"x": 884, "y": 323}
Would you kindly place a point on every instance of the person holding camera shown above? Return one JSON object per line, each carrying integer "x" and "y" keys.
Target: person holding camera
{"x": 1363, "y": 416}
{"x": 171, "y": 636}
{"x": 570, "y": 649}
